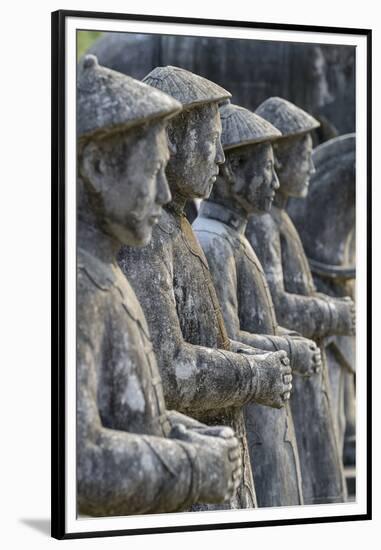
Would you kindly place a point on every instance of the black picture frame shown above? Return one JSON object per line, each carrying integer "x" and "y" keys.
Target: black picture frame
{"x": 58, "y": 293}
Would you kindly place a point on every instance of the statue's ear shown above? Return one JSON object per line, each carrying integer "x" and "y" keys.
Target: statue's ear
{"x": 92, "y": 166}
{"x": 171, "y": 142}
{"x": 226, "y": 170}
{"x": 277, "y": 162}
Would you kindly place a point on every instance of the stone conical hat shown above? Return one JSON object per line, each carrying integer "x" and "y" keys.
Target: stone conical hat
{"x": 188, "y": 88}
{"x": 287, "y": 117}
{"x": 108, "y": 101}
{"x": 242, "y": 127}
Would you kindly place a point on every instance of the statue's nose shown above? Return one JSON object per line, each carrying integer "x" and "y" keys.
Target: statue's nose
{"x": 275, "y": 182}
{"x": 163, "y": 195}
{"x": 220, "y": 155}
{"x": 312, "y": 168}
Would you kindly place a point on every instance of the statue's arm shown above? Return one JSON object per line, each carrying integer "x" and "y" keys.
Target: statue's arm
{"x": 307, "y": 315}
{"x": 342, "y": 313}
{"x": 195, "y": 378}
{"x": 284, "y": 331}
{"x": 122, "y": 473}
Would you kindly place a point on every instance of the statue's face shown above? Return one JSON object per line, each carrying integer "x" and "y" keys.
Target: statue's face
{"x": 294, "y": 165}
{"x": 196, "y": 154}
{"x": 254, "y": 177}
{"x": 127, "y": 173}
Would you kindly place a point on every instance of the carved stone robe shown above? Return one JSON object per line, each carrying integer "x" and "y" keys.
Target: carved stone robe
{"x": 126, "y": 464}
{"x": 248, "y": 309}
{"x": 201, "y": 376}
{"x": 298, "y": 306}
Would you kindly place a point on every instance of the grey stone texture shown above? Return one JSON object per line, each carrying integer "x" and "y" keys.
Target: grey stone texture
{"x": 210, "y": 320}
{"x": 133, "y": 455}
{"x": 299, "y": 306}
{"x": 270, "y": 432}
{"x": 289, "y": 119}
{"x": 246, "y": 182}
{"x": 188, "y": 88}
{"x": 204, "y": 373}
{"x": 108, "y": 101}
{"x": 329, "y": 245}
{"x": 241, "y": 127}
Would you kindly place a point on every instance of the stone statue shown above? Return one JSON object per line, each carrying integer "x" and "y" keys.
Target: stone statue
{"x": 204, "y": 373}
{"x": 246, "y": 185}
{"x": 328, "y": 242}
{"x": 297, "y": 303}
{"x": 133, "y": 455}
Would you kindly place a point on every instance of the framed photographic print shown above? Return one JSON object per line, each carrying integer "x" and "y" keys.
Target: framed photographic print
{"x": 211, "y": 284}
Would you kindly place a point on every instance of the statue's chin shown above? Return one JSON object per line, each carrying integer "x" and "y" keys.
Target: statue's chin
{"x": 141, "y": 238}
{"x": 264, "y": 206}
{"x": 300, "y": 192}
{"x": 207, "y": 192}
{"x": 132, "y": 236}
{"x": 303, "y": 192}
{"x": 141, "y": 243}
{"x": 194, "y": 186}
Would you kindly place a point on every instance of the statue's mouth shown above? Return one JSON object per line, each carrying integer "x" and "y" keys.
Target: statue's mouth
{"x": 270, "y": 198}
{"x": 155, "y": 217}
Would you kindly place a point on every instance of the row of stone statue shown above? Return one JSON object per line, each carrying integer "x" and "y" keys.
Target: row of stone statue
{"x": 188, "y": 338}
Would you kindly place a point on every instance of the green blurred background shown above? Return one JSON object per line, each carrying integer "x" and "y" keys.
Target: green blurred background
{"x": 85, "y": 39}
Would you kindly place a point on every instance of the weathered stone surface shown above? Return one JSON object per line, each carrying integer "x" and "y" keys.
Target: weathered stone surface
{"x": 287, "y": 117}
{"x": 299, "y": 307}
{"x": 240, "y": 127}
{"x": 108, "y": 101}
{"x": 332, "y": 191}
{"x": 187, "y": 88}
{"x": 246, "y": 185}
{"x": 274, "y": 457}
{"x": 202, "y": 371}
{"x": 328, "y": 241}
{"x": 133, "y": 455}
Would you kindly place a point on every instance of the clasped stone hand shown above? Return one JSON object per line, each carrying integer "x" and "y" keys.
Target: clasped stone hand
{"x": 272, "y": 379}
{"x": 219, "y": 454}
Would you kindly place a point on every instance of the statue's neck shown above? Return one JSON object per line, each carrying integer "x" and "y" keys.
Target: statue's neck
{"x": 178, "y": 202}
{"x": 94, "y": 240}
{"x": 231, "y": 203}
{"x": 225, "y": 213}
{"x": 280, "y": 200}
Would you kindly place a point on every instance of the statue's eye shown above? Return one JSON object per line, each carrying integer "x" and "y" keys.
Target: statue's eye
{"x": 97, "y": 166}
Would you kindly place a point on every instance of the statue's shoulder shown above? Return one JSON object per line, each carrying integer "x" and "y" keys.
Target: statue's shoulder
{"x": 132, "y": 259}
{"x": 211, "y": 231}
{"x": 167, "y": 224}
{"x": 92, "y": 272}
{"x": 262, "y": 225}
{"x": 95, "y": 280}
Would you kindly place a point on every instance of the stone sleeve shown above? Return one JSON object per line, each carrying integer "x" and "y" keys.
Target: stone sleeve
{"x": 175, "y": 418}
{"x": 308, "y": 315}
{"x": 122, "y": 473}
{"x": 195, "y": 378}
